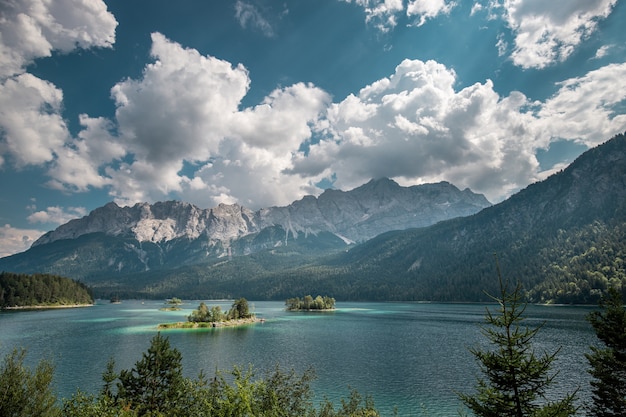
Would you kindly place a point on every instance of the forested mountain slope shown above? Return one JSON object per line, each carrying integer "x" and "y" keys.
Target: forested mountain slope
{"x": 564, "y": 238}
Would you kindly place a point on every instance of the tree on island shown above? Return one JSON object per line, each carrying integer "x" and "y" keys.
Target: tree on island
{"x": 608, "y": 363}
{"x": 516, "y": 378}
{"x": 309, "y": 303}
{"x": 203, "y": 314}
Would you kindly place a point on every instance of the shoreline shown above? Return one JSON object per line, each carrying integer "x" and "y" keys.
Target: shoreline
{"x": 46, "y": 307}
{"x": 209, "y": 325}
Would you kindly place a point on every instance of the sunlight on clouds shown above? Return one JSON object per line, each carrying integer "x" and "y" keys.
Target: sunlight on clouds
{"x": 16, "y": 240}
{"x": 582, "y": 109}
{"x": 32, "y": 29}
{"x": 418, "y": 127}
{"x": 383, "y": 13}
{"x": 428, "y": 9}
{"x": 548, "y": 32}
{"x": 186, "y": 108}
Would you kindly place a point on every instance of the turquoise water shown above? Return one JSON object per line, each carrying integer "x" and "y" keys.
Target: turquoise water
{"x": 408, "y": 356}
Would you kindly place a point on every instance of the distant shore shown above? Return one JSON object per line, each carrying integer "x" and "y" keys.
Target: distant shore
{"x": 209, "y": 325}
{"x": 47, "y": 307}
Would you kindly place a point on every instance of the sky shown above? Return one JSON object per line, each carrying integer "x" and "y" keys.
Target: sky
{"x": 261, "y": 102}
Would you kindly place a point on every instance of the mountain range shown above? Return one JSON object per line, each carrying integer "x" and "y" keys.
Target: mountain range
{"x": 112, "y": 242}
{"x": 563, "y": 239}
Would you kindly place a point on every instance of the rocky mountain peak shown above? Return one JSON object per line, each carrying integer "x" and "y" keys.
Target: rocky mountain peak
{"x": 357, "y": 215}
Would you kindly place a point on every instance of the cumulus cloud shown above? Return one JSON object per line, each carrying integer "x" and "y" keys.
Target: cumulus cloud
{"x": 184, "y": 112}
{"x": 383, "y": 14}
{"x": 16, "y": 240}
{"x": 548, "y": 32}
{"x": 32, "y": 130}
{"x": 415, "y": 127}
{"x": 57, "y": 215}
{"x": 428, "y": 9}
{"x": 31, "y": 29}
{"x": 583, "y": 109}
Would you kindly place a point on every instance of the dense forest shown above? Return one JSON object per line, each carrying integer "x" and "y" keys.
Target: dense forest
{"x": 23, "y": 290}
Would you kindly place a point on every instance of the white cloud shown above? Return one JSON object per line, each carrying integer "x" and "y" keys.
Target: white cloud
{"x": 179, "y": 132}
{"x": 184, "y": 112}
{"x": 249, "y": 16}
{"x": 415, "y": 127}
{"x": 31, "y": 29}
{"x": 547, "y": 31}
{"x": 57, "y": 215}
{"x": 583, "y": 107}
{"x": 383, "y": 14}
{"x": 602, "y": 51}
{"x": 30, "y": 118}
{"x": 16, "y": 240}
{"x": 428, "y": 9}
{"x": 32, "y": 130}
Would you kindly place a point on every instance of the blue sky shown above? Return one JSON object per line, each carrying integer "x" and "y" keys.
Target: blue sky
{"x": 261, "y": 102}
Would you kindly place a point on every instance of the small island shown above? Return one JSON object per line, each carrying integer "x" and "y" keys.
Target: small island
{"x": 309, "y": 303}
{"x": 205, "y": 317}
{"x": 41, "y": 291}
{"x": 173, "y": 304}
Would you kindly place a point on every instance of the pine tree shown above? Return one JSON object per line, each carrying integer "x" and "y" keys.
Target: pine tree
{"x": 608, "y": 364}
{"x": 24, "y": 393}
{"x": 516, "y": 378}
{"x": 156, "y": 384}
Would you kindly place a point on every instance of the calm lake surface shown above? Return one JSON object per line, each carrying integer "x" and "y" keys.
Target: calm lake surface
{"x": 408, "y": 356}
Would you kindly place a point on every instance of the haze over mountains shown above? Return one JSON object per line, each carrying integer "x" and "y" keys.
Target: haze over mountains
{"x": 564, "y": 238}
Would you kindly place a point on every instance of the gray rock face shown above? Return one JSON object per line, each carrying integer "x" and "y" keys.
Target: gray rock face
{"x": 357, "y": 215}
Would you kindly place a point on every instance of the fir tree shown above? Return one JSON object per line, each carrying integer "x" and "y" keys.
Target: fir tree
{"x": 156, "y": 383}
{"x": 608, "y": 363}
{"x": 516, "y": 378}
{"x": 24, "y": 393}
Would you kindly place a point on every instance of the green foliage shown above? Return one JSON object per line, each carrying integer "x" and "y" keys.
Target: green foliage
{"x": 308, "y": 303}
{"x": 20, "y": 290}
{"x": 608, "y": 363}
{"x": 355, "y": 406}
{"x": 516, "y": 378}
{"x": 239, "y": 310}
{"x": 26, "y": 393}
{"x": 156, "y": 387}
{"x": 205, "y": 315}
{"x": 156, "y": 382}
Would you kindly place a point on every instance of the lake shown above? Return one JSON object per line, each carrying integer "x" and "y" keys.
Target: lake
{"x": 408, "y": 356}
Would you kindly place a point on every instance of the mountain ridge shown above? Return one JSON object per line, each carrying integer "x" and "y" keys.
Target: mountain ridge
{"x": 350, "y": 214}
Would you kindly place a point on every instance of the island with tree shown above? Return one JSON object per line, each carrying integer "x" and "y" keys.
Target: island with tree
{"x": 205, "y": 317}
{"x": 172, "y": 304}
{"x": 30, "y": 291}
{"x": 309, "y": 303}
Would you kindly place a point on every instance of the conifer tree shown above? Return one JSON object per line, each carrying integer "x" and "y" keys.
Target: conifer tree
{"x": 515, "y": 377}
{"x": 156, "y": 383}
{"x": 608, "y": 363}
{"x": 24, "y": 393}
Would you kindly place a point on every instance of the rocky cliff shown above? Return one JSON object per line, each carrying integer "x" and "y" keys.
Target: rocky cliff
{"x": 357, "y": 215}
